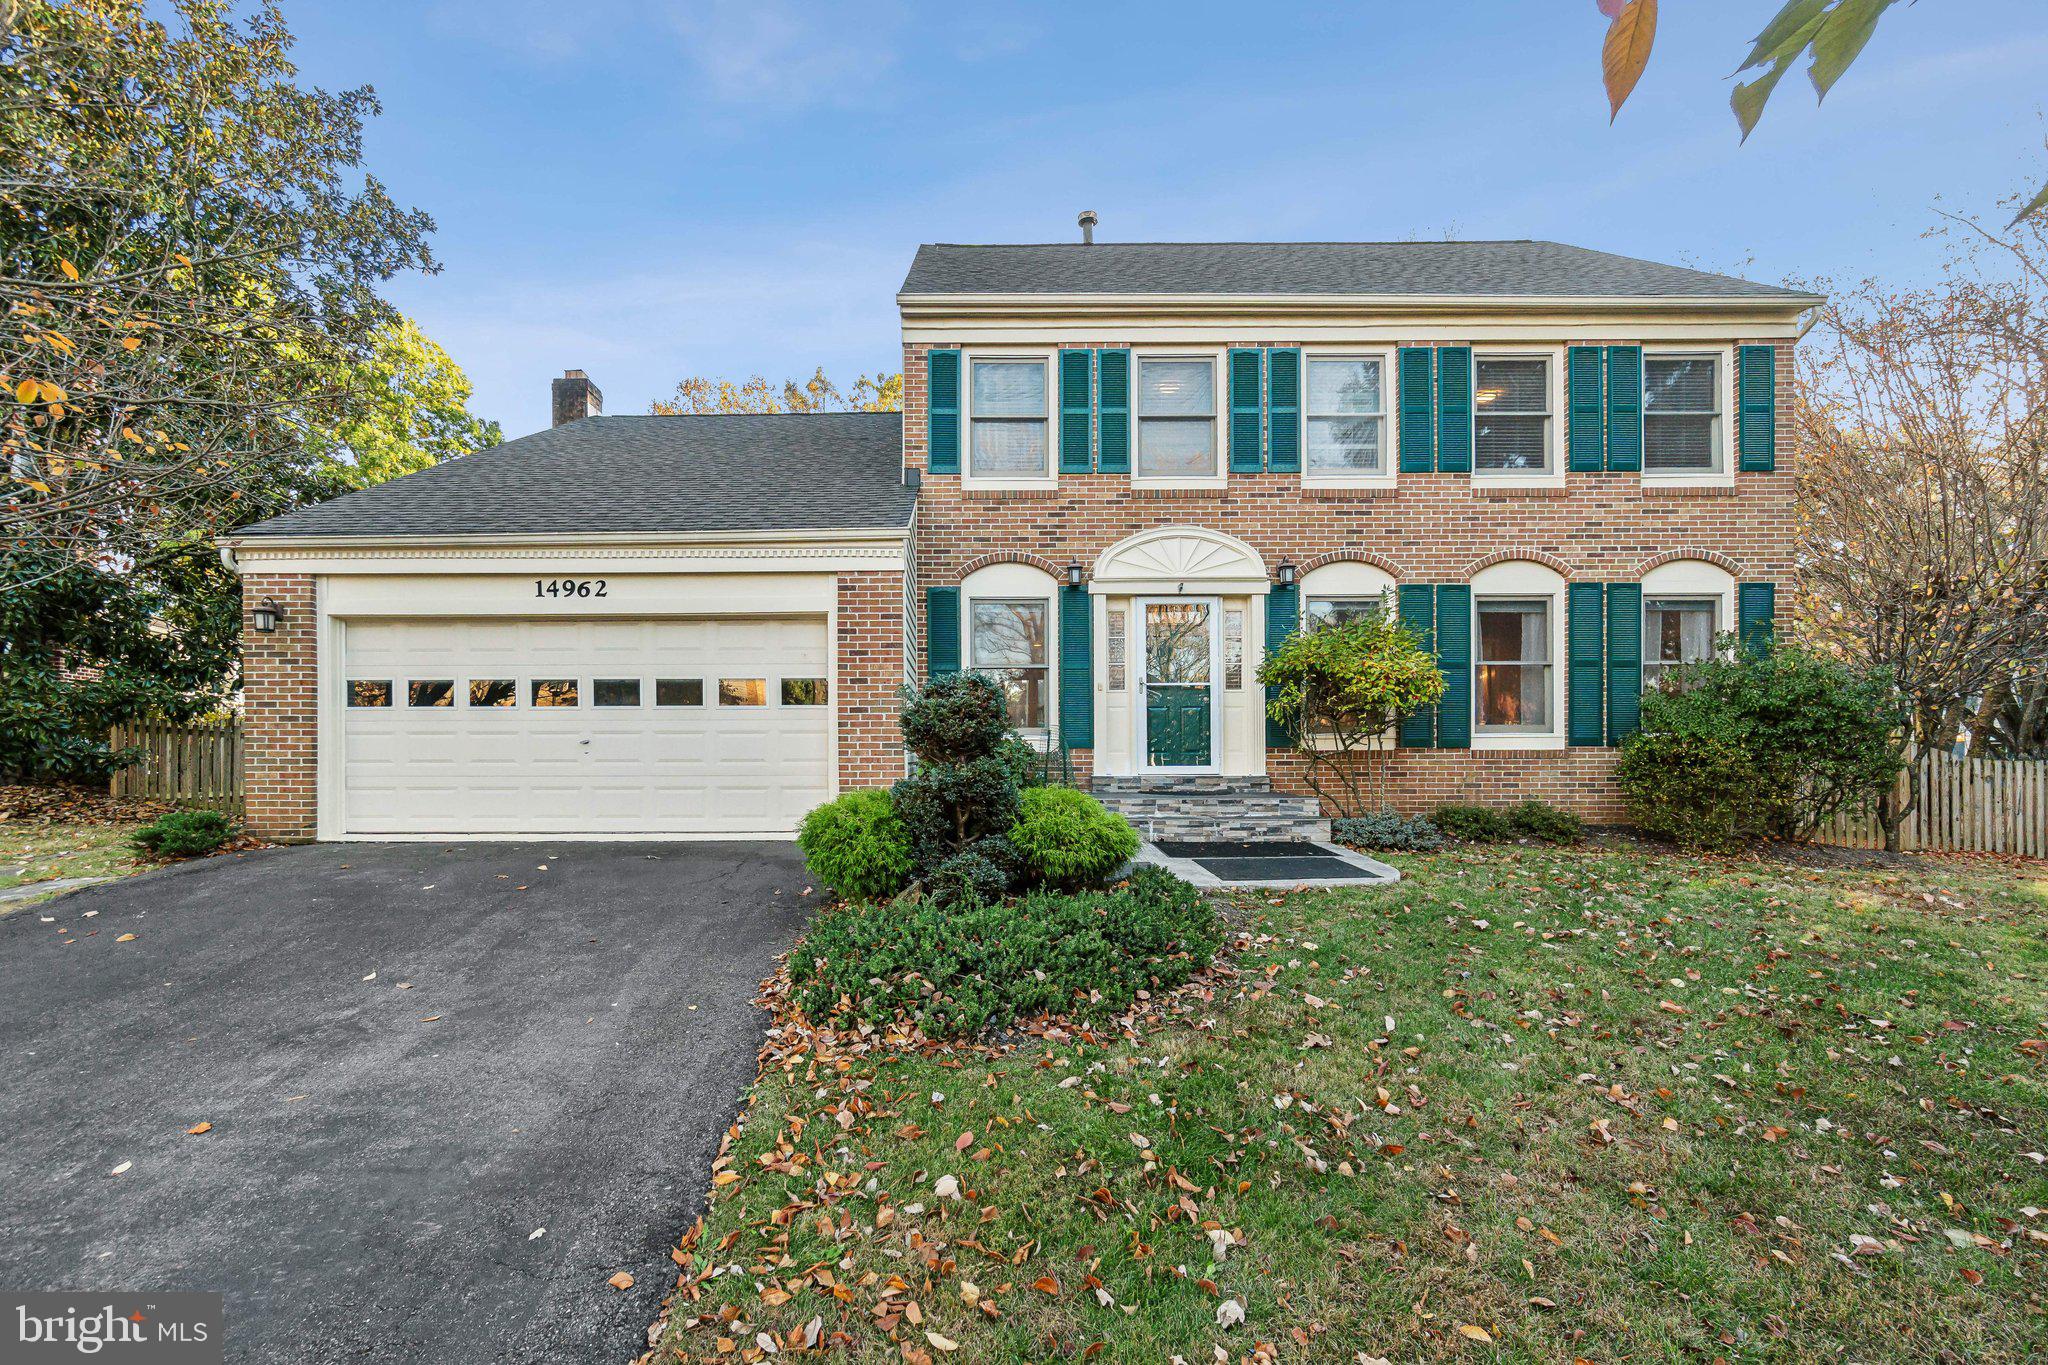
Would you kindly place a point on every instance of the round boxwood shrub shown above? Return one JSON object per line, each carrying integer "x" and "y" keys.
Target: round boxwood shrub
{"x": 857, "y": 846}
{"x": 1065, "y": 839}
{"x": 184, "y": 833}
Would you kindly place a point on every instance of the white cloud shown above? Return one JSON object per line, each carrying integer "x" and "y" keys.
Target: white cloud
{"x": 785, "y": 54}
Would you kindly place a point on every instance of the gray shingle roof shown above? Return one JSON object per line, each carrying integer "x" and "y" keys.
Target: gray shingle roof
{"x": 814, "y": 471}
{"x": 1399, "y": 269}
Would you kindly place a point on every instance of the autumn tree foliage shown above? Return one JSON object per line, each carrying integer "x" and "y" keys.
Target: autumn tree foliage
{"x": 1923, "y": 490}
{"x": 881, "y": 393}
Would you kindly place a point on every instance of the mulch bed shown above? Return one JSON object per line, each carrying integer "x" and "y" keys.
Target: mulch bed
{"x": 62, "y": 802}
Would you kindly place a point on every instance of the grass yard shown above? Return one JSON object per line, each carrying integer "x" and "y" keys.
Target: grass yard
{"x": 1525, "y": 1106}
{"x": 39, "y": 851}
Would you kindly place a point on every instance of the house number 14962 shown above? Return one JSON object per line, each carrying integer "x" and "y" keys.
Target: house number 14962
{"x": 568, "y": 587}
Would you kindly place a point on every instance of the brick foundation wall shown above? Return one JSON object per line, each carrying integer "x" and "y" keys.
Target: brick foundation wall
{"x": 280, "y": 710}
{"x": 1428, "y": 528}
{"x": 871, "y": 649}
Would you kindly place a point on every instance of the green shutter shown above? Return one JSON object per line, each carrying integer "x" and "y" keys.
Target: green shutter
{"x": 1246, "y": 428}
{"x": 1283, "y": 616}
{"x": 1757, "y": 375}
{"x": 1113, "y": 399}
{"x": 1077, "y": 668}
{"x": 1418, "y": 411}
{"x": 1454, "y": 659}
{"x": 1624, "y": 659}
{"x": 1454, "y": 409}
{"x": 941, "y": 632}
{"x": 1586, "y": 653}
{"x": 1624, "y": 407}
{"x": 1283, "y": 400}
{"x": 1756, "y": 610}
{"x": 1418, "y": 611}
{"x": 1587, "y": 432}
{"x": 942, "y": 401}
{"x": 1077, "y": 410}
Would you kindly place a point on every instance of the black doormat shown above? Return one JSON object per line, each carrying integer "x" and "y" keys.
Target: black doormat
{"x": 1277, "y": 848}
{"x": 1323, "y": 868}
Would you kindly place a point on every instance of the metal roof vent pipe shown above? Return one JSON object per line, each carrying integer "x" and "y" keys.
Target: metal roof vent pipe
{"x": 1088, "y": 220}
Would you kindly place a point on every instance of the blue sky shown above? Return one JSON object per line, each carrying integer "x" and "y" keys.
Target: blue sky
{"x": 649, "y": 189}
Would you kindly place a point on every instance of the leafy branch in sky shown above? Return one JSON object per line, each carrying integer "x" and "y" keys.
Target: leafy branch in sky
{"x": 1832, "y": 33}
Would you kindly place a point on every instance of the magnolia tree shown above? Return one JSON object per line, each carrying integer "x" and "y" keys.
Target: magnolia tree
{"x": 1340, "y": 689}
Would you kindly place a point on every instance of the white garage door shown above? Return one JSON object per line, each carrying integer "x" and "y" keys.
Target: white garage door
{"x": 705, "y": 725}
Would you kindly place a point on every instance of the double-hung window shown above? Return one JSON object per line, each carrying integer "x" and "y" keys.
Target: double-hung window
{"x": 1006, "y": 409}
{"x": 1512, "y": 433}
{"x": 1682, "y": 420}
{"x": 1346, "y": 416}
{"x": 1514, "y": 683}
{"x": 1676, "y": 631}
{"x": 1176, "y": 418}
{"x": 1007, "y": 641}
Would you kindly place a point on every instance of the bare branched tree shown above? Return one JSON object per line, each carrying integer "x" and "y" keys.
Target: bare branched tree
{"x": 1924, "y": 479}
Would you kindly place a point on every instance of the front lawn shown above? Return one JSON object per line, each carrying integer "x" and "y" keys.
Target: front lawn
{"x": 47, "y": 851}
{"x": 1527, "y": 1105}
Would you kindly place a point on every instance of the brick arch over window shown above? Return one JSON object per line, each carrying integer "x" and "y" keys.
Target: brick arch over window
{"x": 1713, "y": 557}
{"x": 1543, "y": 557}
{"x": 1009, "y": 557}
{"x": 1380, "y": 562}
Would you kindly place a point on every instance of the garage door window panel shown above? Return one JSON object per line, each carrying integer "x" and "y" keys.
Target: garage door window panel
{"x": 742, "y": 691}
{"x": 430, "y": 692}
{"x": 554, "y": 692}
{"x": 615, "y": 692}
{"x": 803, "y": 691}
{"x": 369, "y": 692}
{"x": 493, "y": 692}
{"x": 678, "y": 691}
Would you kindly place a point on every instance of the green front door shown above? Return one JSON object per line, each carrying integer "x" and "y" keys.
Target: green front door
{"x": 1178, "y": 652}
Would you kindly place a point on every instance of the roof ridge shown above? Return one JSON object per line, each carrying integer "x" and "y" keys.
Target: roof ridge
{"x": 1333, "y": 241}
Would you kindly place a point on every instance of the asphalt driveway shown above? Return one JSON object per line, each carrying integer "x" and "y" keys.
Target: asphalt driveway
{"x": 414, "y": 1057}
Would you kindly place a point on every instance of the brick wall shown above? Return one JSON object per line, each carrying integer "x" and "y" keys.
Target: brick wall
{"x": 871, "y": 649}
{"x": 280, "y": 710}
{"x": 1428, "y": 528}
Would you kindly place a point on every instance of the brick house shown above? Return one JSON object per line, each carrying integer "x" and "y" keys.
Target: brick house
{"x": 1121, "y": 471}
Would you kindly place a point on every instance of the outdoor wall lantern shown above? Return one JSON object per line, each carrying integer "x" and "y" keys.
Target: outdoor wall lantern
{"x": 266, "y": 616}
{"x": 1074, "y": 575}
{"x": 1285, "y": 573}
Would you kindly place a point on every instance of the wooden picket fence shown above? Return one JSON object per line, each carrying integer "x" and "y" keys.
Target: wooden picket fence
{"x": 1967, "y": 805}
{"x": 198, "y": 764}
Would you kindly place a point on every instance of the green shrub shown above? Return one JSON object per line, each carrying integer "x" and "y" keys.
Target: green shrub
{"x": 1543, "y": 821}
{"x": 1474, "y": 824}
{"x": 956, "y": 718}
{"x": 1388, "y": 831}
{"x": 857, "y": 846}
{"x": 968, "y": 880}
{"x": 960, "y": 970}
{"x": 946, "y": 807}
{"x": 1026, "y": 764}
{"x": 184, "y": 833}
{"x": 1766, "y": 744}
{"x": 1065, "y": 839}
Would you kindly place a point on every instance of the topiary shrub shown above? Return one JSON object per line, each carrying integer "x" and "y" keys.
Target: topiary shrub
{"x": 960, "y": 969}
{"x": 1065, "y": 839}
{"x": 964, "y": 788}
{"x": 857, "y": 846}
{"x": 1765, "y": 744}
{"x": 184, "y": 833}
{"x": 1541, "y": 820}
{"x": 956, "y": 718}
{"x": 1026, "y": 764}
{"x": 1386, "y": 830}
{"x": 1474, "y": 824}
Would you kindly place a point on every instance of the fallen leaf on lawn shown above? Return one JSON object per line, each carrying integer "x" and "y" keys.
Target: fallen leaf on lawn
{"x": 964, "y": 1141}
{"x": 1972, "y": 1276}
{"x": 940, "y": 1343}
{"x": 1046, "y": 1284}
{"x": 620, "y": 1281}
{"x": 725, "y": 1177}
{"x": 201, "y": 1127}
{"x": 947, "y": 1188}
{"x": 1472, "y": 1333}
{"x": 1229, "y": 1313}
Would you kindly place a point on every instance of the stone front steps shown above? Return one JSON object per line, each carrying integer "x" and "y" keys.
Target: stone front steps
{"x": 1212, "y": 808}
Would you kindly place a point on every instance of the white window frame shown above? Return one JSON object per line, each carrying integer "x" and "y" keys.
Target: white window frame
{"x": 1048, "y": 358}
{"x": 1390, "y": 459}
{"x": 1220, "y": 418}
{"x": 1017, "y": 583}
{"x": 1522, "y": 579}
{"x": 1723, "y": 473}
{"x": 1552, "y": 474}
{"x": 1694, "y": 580}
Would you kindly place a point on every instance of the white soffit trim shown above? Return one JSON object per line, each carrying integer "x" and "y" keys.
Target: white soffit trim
{"x": 729, "y": 552}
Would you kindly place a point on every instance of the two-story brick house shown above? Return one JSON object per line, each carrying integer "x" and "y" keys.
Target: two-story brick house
{"x": 1120, "y": 472}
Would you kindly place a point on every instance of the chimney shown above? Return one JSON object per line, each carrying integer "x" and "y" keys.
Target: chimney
{"x": 575, "y": 396}
{"x": 1088, "y": 221}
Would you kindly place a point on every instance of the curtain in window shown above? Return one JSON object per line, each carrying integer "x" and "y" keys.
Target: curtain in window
{"x": 1514, "y": 665}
